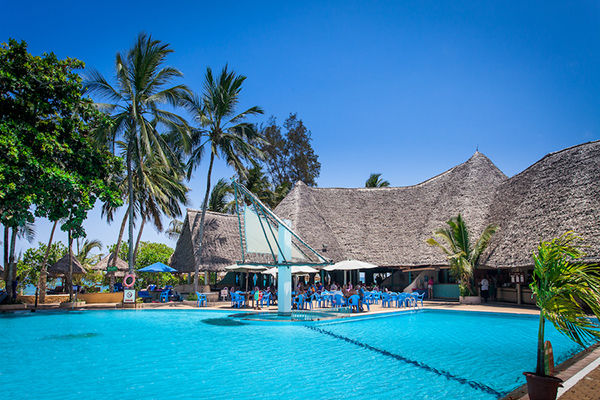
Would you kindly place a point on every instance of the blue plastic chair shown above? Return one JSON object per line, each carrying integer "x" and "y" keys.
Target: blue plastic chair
{"x": 339, "y": 300}
{"x": 164, "y": 296}
{"x": 354, "y": 303}
{"x": 376, "y": 297}
{"x": 386, "y": 300}
{"x": 266, "y": 299}
{"x": 420, "y": 298}
{"x": 299, "y": 302}
{"x": 237, "y": 300}
{"x": 201, "y": 299}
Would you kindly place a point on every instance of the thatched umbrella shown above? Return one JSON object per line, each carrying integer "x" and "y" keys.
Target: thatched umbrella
{"x": 102, "y": 265}
{"x": 61, "y": 268}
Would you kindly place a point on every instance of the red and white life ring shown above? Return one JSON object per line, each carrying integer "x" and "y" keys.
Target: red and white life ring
{"x": 128, "y": 276}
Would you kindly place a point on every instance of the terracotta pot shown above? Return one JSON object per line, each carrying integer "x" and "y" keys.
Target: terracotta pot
{"x": 542, "y": 387}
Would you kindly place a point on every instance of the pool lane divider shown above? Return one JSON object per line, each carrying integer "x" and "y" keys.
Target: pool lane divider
{"x": 445, "y": 374}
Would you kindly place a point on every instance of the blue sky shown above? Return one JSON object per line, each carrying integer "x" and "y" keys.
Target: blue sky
{"x": 408, "y": 89}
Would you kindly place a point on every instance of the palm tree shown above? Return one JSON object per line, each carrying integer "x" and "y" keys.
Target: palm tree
{"x": 84, "y": 249}
{"x": 562, "y": 288}
{"x": 175, "y": 228}
{"x": 375, "y": 181}
{"x": 462, "y": 254}
{"x": 220, "y": 197}
{"x": 134, "y": 102}
{"x": 227, "y": 133}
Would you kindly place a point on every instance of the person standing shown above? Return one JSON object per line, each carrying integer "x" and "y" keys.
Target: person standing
{"x": 485, "y": 287}
{"x": 430, "y": 288}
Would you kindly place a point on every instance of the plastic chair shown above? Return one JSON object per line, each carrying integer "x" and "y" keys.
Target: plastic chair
{"x": 201, "y": 299}
{"x": 266, "y": 299}
{"x": 376, "y": 297}
{"x": 237, "y": 300}
{"x": 420, "y": 297}
{"x": 354, "y": 303}
{"x": 386, "y": 300}
{"x": 164, "y": 296}
{"x": 339, "y": 300}
{"x": 299, "y": 302}
{"x": 144, "y": 295}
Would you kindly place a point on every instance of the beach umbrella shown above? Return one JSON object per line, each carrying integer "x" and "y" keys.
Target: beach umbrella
{"x": 296, "y": 270}
{"x": 246, "y": 268}
{"x": 157, "y": 267}
{"x": 349, "y": 265}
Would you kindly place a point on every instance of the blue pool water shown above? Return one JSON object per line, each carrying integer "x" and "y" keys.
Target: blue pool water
{"x": 175, "y": 355}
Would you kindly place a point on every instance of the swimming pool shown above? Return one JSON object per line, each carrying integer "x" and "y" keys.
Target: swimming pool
{"x": 174, "y": 354}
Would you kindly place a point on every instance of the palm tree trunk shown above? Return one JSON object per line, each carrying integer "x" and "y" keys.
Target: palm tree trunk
{"x": 42, "y": 280}
{"x": 540, "y": 368}
{"x": 118, "y": 247}
{"x": 201, "y": 232}
{"x": 139, "y": 236}
{"x": 10, "y": 283}
{"x": 6, "y": 243}
{"x": 130, "y": 188}
{"x": 70, "y": 267}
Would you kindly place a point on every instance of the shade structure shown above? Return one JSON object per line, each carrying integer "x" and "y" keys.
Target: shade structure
{"x": 102, "y": 265}
{"x": 296, "y": 270}
{"x": 245, "y": 268}
{"x": 349, "y": 265}
{"x": 157, "y": 267}
{"x": 62, "y": 267}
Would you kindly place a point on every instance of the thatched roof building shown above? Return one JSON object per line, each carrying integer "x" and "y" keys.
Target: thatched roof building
{"x": 102, "y": 265}
{"x": 389, "y": 226}
{"x": 560, "y": 192}
{"x": 61, "y": 267}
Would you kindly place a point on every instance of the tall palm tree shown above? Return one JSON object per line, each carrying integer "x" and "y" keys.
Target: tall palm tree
{"x": 462, "y": 254}
{"x": 220, "y": 197}
{"x": 375, "y": 181}
{"x": 225, "y": 132}
{"x": 141, "y": 78}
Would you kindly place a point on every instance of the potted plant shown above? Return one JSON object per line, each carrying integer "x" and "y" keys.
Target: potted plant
{"x": 563, "y": 286}
{"x": 462, "y": 255}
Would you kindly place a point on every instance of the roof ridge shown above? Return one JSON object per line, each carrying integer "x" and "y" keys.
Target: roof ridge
{"x": 554, "y": 153}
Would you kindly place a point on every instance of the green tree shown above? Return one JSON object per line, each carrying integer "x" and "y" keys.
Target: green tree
{"x": 563, "y": 287}
{"x": 225, "y": 132}
{"x": 148, "y": 254}
{"x": 51, "y": 166}
{"x": 135, "y": 100}
{"x": 375, "y": 181}
{"x": 462, "y": 254}
{"x": 289, "y": 157}
{"x": 30, "y": 265}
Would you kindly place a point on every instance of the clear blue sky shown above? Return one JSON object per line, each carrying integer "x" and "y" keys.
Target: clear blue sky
{"x": 408, "y": 89}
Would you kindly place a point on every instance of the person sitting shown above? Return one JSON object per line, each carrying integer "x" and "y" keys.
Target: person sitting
{"x": 334, "y": 287}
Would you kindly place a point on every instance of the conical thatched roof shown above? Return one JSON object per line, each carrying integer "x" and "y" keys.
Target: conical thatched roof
{"x": 389, "y": 226}
{"x": 560, "y": 192}
{"x": 102, "y": 265}
{"x": 61, "y": 267}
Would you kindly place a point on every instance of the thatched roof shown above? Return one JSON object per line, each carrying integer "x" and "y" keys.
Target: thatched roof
{"x": 389, "y": 226}
{"x": 560, "y": 192}
{"x": 221, "y": 243}
{"x": 102, "y": 265}
{"x": 61, "y": 267}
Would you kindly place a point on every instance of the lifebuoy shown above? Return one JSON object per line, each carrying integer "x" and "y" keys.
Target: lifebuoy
{"x": 128, "y": 276}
